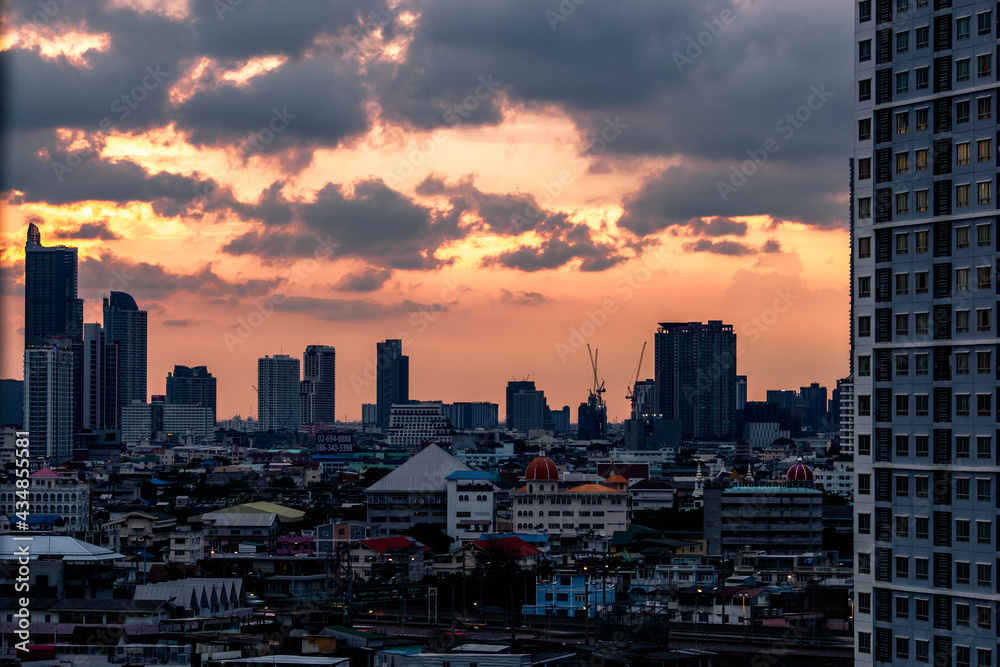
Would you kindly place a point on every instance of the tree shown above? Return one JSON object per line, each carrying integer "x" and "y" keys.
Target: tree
{"x": 431, "y": 536}
{"x": 283, "y": 483}
{"x": 497, "y": 569}
{"x": 372, "y": 475}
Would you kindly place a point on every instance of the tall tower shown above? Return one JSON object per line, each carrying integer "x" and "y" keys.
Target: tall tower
{"x": 125, "y": 325}
{"x": 51, "y": 307}
{"x": 924, "y": 281}
{"x": 514, "y": 387}
{"x": 192, "y": 385}
{"x": 392, "y": 378}
{"x": 319, "y": 385}
{"x": 99, "y": 386}
{"x": 278, "y": 401}
{"x": 49, "y": 391}
{"x": 696, "y": 377}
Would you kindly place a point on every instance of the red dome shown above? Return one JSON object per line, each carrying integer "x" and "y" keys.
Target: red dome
{"x": 799, "y": 472}
{"x": 542, "y": 469}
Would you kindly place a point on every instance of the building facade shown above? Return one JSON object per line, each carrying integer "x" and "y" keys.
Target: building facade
{"x": 392, "y": 379}
{"x": 99, "y": 389}
{"x": 192, "y": 385}
{"x": 472, "y": 415}
{"x": 125, "y": 325}
{"x": 418, "y": 424}
{"x": 51, "y": 306}
{"x": 924, "y": 327}
{"x": 696, "y": 377}
{"x": 319, "y": 385}
{"x": 846, "y": 389}
{"x": 278, "y": 393}
{"x": 49, "y": 398}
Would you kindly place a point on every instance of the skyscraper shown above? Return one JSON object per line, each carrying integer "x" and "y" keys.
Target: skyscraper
{"x": 191, "y": 386}
{"x": 924, "y": 318}
{"x": 99, "y": 396}
{"x": 51, "y": 307}
{"x": 49, "y": 389}
{"x": 319, "y": 385}
{"x": 814, "y": 406}
{"x": 513, "y": 387}
{"x": 125, "y": 325}
{"x": 392, "y": 379}
{"x": 696, "y": 377}
{"x": 278, "y": 393}
{"x": 741, "y": 391}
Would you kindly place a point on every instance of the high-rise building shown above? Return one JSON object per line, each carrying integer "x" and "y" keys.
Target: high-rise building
{"x": 466, "y": 415}
{"x": 99, "y": 410}
{"x": 513, "y": 387}
{"x": 125, "y": 325}
{"x": 49, "y": 392}
{"x": 696, "y": 377}
{"x": 192, "y": 385}
{"x": 645, "y": 396}
{"x": 847, "y": 437}
{"x": 278, "y": 393}
{"x": 392, "y": 379}
{"x": 529, "y": 411}
{"x": 813, "y": 400}
{"x": 319, "y": 385}
{"x": 51, "y": 306}
{"x": 741, "y": 391}
{"x": 924, "y": 319}
{"x": 12, "y": 403}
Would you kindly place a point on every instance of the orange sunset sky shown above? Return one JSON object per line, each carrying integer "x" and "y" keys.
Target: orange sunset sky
{"x": 497, "y": 183}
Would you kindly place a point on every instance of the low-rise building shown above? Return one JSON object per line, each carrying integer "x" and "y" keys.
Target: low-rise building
{"x": 389, "y": 559}
{"x": 571, "y": 595}
{"x": 471, "y": 504}
{"x": 55, "y": 493}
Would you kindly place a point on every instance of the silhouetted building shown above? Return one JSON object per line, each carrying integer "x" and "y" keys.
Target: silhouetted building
{"x": 696, "y": 377}
{"x": 11, "y": 403}
{"x": 49, "y": 394}
{"x": 125, "y": 325}
{"x": 392, "y": 379}
{"x": 472, "y": 415}
{"x": 813, "y": 400}
{"x": 526, "y": 407}
{"x": 592, "y": 420}
{"x": 513, "y": 387}
{"x": 98, "y": 404}
{"x": 762, "y": 423}
{"x": 557, "y": 420}
{"x": 192, "y": 385}
{"x": 51, "y": 306}
{"x": 319, "y": 385}
{"x": 741, "y": 391}
{"x": 278, "y": 393}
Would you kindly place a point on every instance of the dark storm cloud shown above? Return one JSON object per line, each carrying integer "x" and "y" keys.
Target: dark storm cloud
{"x": 153, "y": 282}
{"x": 718, "y": 227}
{"x": 368, "y": 280}
{"x": 730, "y": 248}
{"x": 338, "y": 310}
{"x": 507, "y": 214}
{"x": 89, "y": 231}
{"x": 564, "y": 242}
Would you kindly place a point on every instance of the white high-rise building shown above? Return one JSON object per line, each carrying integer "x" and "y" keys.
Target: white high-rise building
{"x": 924, "y": 329}
{"x": 417, "y": 424}
{"x": 278, "y": 393}
{"x": 49, "y": 394}
{"x": 846, "y": 388}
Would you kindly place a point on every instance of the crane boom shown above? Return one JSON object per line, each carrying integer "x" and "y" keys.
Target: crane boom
{"x": 630, "y": 394}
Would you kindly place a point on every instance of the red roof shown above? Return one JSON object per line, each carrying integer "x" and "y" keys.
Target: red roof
{"x": 46, "y": 472}
{"x": 799, "y": 472}
{"x": 513, "y": 544}
{"x": 384, "y": 544}
{"x": 592, "y": 488}
{"x": 542, "y": 469}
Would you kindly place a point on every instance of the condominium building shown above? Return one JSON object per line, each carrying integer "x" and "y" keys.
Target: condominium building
{"x": 417, "y": 424}
{"x": 392, "y": 379}
{"x": 319, "y": 385}
{"x": 49, "y": 399}
{"x": 278, "y": 393}
{"x": 924, "y": 329}
{"x": 125, "y": 325}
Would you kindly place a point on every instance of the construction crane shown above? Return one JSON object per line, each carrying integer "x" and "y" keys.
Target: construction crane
{"x": 598, "y": 389}
{"x": 630, "y": 394}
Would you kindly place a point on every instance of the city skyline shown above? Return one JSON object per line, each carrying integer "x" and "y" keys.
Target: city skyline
{"x": 249, "y": 213}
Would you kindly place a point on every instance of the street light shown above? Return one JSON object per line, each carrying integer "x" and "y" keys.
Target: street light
{"x": 696, "y": 617}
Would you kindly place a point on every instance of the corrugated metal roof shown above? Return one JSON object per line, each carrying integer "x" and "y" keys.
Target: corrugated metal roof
{"x": 425, "y": 472}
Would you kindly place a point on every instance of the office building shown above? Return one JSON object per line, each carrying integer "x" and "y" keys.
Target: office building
{"x": 191, "y": 386}
{"x": 11, "y": 402}
{"x": 513, "y": 387}
{"x": 51, "y": 306}
{"x": 924, "y": 326}
{"x": 49, "y": 396}
{"x": 418, "y": 424}
{"x": 319, "y": 385}
{"x": 99, "y": 381}
{"x": 813, "y": 400}
{"x": 149, "y": 422}
{"x": 696, "y": 377}
{"x": 279, "y": 402}
{"x": 741, "y": 391}
{"x": 468, "y": 416}
{"x": 125, "y": 325}
{"x": 529, "y": 410}
{"x": 392, "y": 379}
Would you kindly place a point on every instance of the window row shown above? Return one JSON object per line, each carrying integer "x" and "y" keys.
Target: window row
{"x": 921, "y": 240}
{"x": 921, "y": 322}
{"x": 921, "y": 199}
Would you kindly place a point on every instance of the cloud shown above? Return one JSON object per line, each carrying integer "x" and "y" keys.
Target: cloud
{"x": 729, "y": 248}
{"x": 368, "y": 280}
{"x": 88, "y": 231}
{"x": 339, "y": 310}
{"x": 184, "y": 322}
{"x": 563, "y": 243}
{"x": 521, "y": 297}
{"x": 718, "y": 227}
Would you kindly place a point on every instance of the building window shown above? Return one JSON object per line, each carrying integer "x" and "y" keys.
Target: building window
{"x": 984, "y": 192}
{"x": 984, "y": 532}
{"x": 921, "y": 323}
{"x": 864, "y": 484}
{"x": 865, "y": 524}
{"x": 922, "y": 650}
{"x": 902, "y": 122}
{"x": 921, "y": 240}
{"x": 962, "y": 237}
{"x": 902, "y": 607}
{"x": 864, "y": 603}
{"x": 984, "y": 65}
{"x": 984, "y": 405}
{"x": 984, "y": 21}
{"x": 902, "y": 41}
{"x": 864, "y": 326}
{"x": 962, "y": 153}
{"x": 984, "y": 615}
{"x": 984, "y": 572}
{"x": 864, "y": 11}
{"x": 962, "y": 28}
{"x": 902, "y": 162}
{"x": 961, "y": 530}
{"x": 923, "y": 609}
{"x": 922, "y": 529}
{"x": 962, "y": 70}
{"x": 902, "y": 283}
{"x": 984, "y": 490}
{"x": 984, "y": 277}
{"x": 902, "y": 567}
{"x": 961, "y": 446}
{"x": 902, "y": 405}
{"x": 922, "y": 200}
{"x": 985, "y": 108}
{"x": 961, "y": 613}
{"x": 984, "y": 150}
{"x": 963, "y": 656}
{"x": 903, "y": 201}
{"x": 920, "y": 280}
{"x": 902, "y": 449}
{"x": 983, "y": 319}
{"x": 984, "y": 447}
{"x": 864, "y": 287}
{"x": 920, "y": 568}
{"x": 922, "y": 405}
{"x": 961, "y": 280}
{"x": 902, "y": 324}
{"x": 922, "y": 446}
{"x": 983, "y": 236}
{"x": 865, "y": 207}
{"x": 864, "y": 168}
{"x": 864, "y": 563}
{"x": 864, "y": 51}
{"x": 864, "y": 90}
{"x": 902, "y": 364}
{"x": 864, "y": 365}
{"x": 961, "y": 488}
{"x": 961, "y": 405}
{"x": 864, "y": 642}
{"x": 864, "y": 247}
{"x": 984, "y": 361}
{"x": 923, "y": 37}
{"x": 961, "y": 321}
{"x": 922, "y": 156}
{"x": 984, "y": 657}
{"x": 962, "y": 195}
{"x": 903, "y": 83}
{"x": 864, "y": 129}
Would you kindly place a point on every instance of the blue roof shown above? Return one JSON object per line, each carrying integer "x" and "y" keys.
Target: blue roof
{"x": 469, "y": 474}
{"x": 43, "y": 518}
{"x": 530, "y": 538}
{"x": 159, "y": 481}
